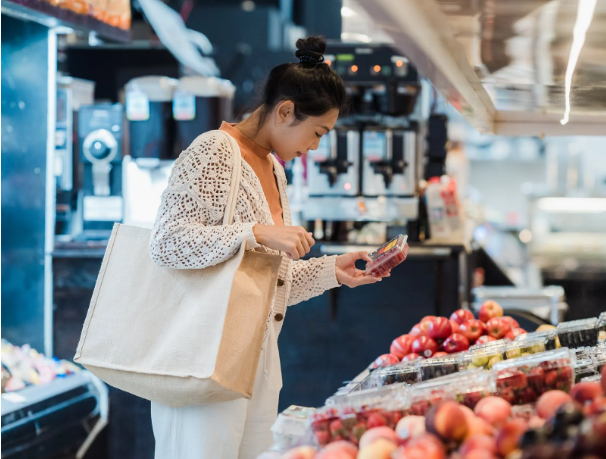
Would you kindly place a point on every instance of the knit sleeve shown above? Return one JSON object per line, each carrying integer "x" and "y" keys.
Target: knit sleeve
{"x": 188, "y": 230}
{"x": 312, "y": 278}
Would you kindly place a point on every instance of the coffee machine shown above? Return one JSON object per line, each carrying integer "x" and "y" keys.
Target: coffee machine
{"x": 100, "y": 145}
{"x": 388, "y": 162}
{"x": 332, "y": 169}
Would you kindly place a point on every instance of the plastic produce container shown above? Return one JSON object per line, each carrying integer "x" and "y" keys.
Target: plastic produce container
{"x": 578, "y": 333}
{"x": 388, "y": 256}
{"x": 524, "y": 380}
{"x": 583, "y": 368}
{"x": 550, "y": 336}
{"x": 441, "y": 366}
{"x": 602, "y": 327}
{"x": 347, "y": 417}
{"x": 291, "y": 427}
{"x": 407, "y": 372}
{"x": 525, "y": 347}
{"x": 486, "y": 355}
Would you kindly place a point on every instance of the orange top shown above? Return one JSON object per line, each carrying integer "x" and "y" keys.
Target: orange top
{"x": 258, "y": 158}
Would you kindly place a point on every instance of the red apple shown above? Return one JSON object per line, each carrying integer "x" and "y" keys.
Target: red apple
{"x": 456, "y": 343}
{"x": 484, "y": 339}
{"x": 514, "y": 332}
{"x": 420, "y": 329}
{"x": 439, "y": 328}
{"x": 472, "y": 330}
{"x": 455, "y": 326}
{"x": 402, "y": 346}
{"x": 497, "y": 327}
{"x": 490, "y": 309}
{"x": 410, "y": 357}
{"x": 461, "y": 316}
{"x": 424, "y": 346}
{"x": 428, "y": 318}
{"x": 384, "y": 361}
{"x": 514, "y": 323}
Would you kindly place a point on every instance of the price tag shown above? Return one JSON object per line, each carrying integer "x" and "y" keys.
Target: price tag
{"x": 184, "y": 106}
{"x": 137, "y": 106}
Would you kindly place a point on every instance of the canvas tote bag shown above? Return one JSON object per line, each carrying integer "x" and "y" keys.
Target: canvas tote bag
{"x": 178, "y": 336}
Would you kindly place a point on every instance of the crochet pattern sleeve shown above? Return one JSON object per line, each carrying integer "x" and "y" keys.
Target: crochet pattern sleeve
{"x": 188, "y": 230}
{"x": 312, "y": 278}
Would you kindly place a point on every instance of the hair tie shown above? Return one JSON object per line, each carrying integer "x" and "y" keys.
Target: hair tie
{"x": 307, "y": 59}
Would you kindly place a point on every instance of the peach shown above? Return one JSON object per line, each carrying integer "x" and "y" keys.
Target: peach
{"x": 479, "y": 454}
{"x": 478, "y": 426}
{"x": 510, "y": 435}
{"x": 378, "y": 449}
{"x": 585, "y": 392}
{"x": 429, "y": 445}
{"x": 371, "y": 435}
{"x": 447, "y": 421}
{"x": 301, "y": 452}
{"x": 495, "y": 410}
{"x": 603, "y": 380}
{"x": 483, "y": 442}
{"x": 536, "y": 422}
{"x": 410, "y": 427}
{"x": 549, "y": 402}
{"x": 339, "y": 450}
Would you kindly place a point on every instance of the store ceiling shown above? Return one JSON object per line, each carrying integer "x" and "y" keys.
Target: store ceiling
{"x": 502, "y": 63}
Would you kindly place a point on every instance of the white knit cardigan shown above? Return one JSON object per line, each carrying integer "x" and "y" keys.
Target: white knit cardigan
{"x": 188, "y": 231}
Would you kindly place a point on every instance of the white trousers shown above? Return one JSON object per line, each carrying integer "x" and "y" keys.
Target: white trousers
{"x": 239, "y": 429}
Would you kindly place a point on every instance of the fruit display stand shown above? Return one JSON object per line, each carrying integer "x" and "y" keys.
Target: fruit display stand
{"x": 62, "y": 417}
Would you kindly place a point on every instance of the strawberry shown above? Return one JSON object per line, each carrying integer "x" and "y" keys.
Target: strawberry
{"x": 322, "y": 438}
{"x": 550, "y": 378}
{"x": 376, "y": 420}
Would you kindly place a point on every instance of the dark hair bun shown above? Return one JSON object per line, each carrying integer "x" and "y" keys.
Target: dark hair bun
{"x": 311, "y": 49}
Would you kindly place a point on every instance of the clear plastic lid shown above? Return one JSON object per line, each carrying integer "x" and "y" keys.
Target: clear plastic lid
{"x": 406, "y": 372}
{"x": 293, "y": 420}
{"x": 525, "y": 347}
{"x": 550, "y": 336}
{"x": 437, "y": 367}
{"x": 584, "y": 368}
{"x": 599, "y": 358}
{"x": 366, "y": 399}
{"x": 500, "y": 342}
{"x": 388, "y": 256}
{"x": 594, "y": 378}
{"x": 602, "y": 319}
{"x": 549, "y": 359}
{"x": 577, "y": 325}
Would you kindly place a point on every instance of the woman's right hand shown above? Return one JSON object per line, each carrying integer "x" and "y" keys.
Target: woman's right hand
{"x": 294, "y": 240}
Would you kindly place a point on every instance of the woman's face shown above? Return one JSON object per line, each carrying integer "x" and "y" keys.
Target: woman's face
{"x": 291, "y": 139}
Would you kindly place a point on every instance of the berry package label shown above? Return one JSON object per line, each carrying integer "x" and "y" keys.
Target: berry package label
{"x": 388, "y": 256}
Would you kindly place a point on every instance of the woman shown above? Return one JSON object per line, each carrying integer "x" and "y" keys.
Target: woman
{"x": 301, "y": 103}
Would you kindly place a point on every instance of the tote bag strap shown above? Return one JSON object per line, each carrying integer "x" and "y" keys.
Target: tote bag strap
{"x": 236, "y": 177}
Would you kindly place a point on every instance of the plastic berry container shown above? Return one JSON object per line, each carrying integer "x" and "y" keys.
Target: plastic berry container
{"x": 525, "y": 347}
{"x": 407, "y": 372}
{"x": 583, "y": 368}
{"x": 441, "y": 366}
{"x": 578, "y": 333}
{"x": 551, "y": 338}
{"x": 485, "y": 356}
{"x": 594, "y": 378}
{"x": 290, "y": 428}
{"x": 388, "y": 256}
{"x": 525, "y": 379}
{"x": 347, "y": 417}
{"x": 599, "y": 359}
{"x": 471, "y": 386}
{"x": 421, "y": 397}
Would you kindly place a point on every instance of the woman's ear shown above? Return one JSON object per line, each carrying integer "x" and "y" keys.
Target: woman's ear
{"x": 286, "y": 112}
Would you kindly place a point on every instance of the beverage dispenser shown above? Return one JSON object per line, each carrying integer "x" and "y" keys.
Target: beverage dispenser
{"x": 388, "y": 162}
{"x": 200, "y": 104}
{"x": 149, "y": 110}
{"x": 333, "y": 169}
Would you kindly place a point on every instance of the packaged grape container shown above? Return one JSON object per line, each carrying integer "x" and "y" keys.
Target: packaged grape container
{"x": 551, "y": 338}
{"x": 486, "y": 355}
{"x": 291, "y": 427}
{"x": 525, "y": 347}
{"x": 347, "y": 417}
{"x": 578, "y": 333}
{"x": 388, "y": 256}
{"x": 525, "y": 379}
{"x": 441, "y": 366}
{"x": 499, "y": 342}
{"x": 406, "y": 372}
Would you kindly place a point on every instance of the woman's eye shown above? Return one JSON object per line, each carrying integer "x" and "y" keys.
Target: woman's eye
{"x": 318, "y": 135}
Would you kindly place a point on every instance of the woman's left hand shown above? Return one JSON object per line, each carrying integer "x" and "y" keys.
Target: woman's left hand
{"x": 348, "y": 274}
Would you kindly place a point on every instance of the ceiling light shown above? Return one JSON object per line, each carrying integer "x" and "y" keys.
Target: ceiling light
{"x": 584, "y": 18}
